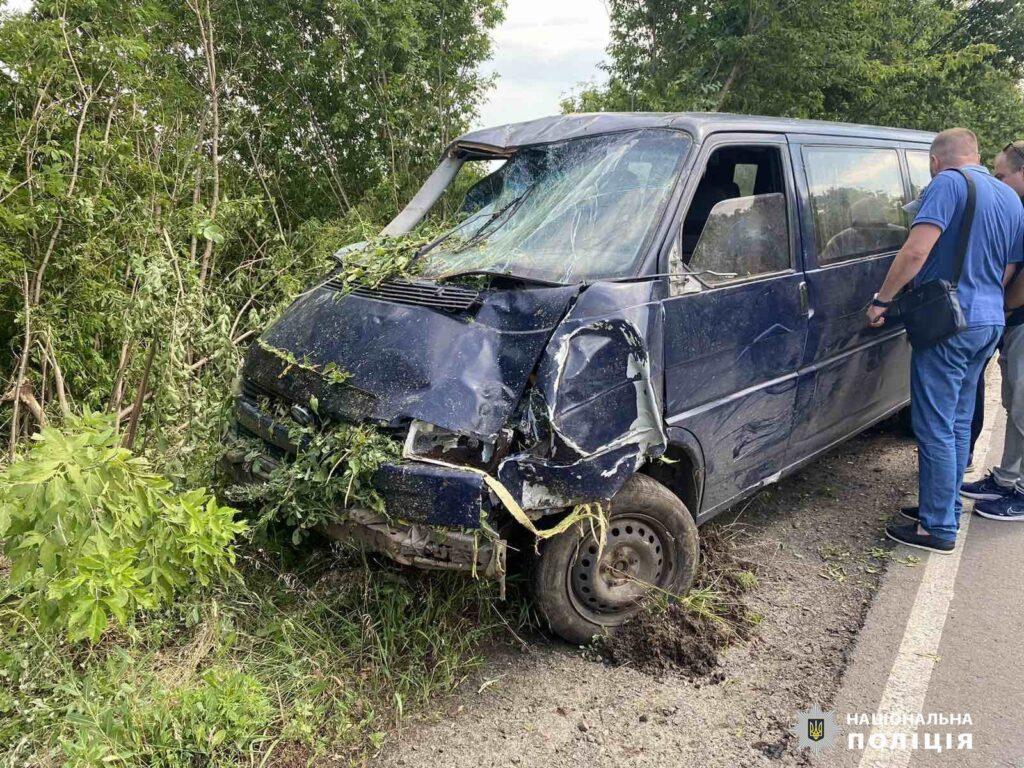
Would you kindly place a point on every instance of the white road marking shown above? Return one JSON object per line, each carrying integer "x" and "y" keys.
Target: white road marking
{"x": 911, "y": 672}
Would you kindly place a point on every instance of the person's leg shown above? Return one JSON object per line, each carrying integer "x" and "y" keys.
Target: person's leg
{"x": 1011, "y": 364}
{"x": 935, "y": 381}
{"x": 978, "y": 420}
{"x": 977, "y": 347}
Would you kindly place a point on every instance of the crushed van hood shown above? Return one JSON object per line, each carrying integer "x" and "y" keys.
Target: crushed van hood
{"x": 463, "y": 371}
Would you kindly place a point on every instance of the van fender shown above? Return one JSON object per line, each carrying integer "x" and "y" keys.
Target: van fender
{"x": 595, "y": 413}
{"x": 683, "y": 469}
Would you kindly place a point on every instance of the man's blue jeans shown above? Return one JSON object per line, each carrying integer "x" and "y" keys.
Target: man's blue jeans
{"x": 943, "y": 382}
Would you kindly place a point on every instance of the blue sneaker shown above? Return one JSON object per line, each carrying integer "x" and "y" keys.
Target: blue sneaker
{"x": 1007, "y": 508}
{"x": 986, "y": 489}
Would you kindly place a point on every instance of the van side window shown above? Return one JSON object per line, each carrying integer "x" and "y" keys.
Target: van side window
{"x": 856, "y": 199}
{"x": 920, "y": 171}
{"x": 737, "y": 226}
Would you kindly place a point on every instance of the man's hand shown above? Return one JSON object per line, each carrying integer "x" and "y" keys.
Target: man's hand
{"x": 904, "y": 267}
{"x": 876, "y": 316}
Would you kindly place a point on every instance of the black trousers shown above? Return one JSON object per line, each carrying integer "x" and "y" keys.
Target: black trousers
{"x": 979, "y": 410}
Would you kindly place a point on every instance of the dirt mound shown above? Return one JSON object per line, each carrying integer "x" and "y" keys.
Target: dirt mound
{"x": 688, "y": 634}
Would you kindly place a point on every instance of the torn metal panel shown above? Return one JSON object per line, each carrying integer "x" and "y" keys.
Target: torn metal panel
{"x": 544, "y": 485}
{"x": 599, "y": 386}
{"x": 463, "y": 371}
{"x": 421, "y": 545}
{"x": 431, "y": 442}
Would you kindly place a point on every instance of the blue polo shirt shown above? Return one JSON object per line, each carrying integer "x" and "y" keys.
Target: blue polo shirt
{"x": 997, "y": 238}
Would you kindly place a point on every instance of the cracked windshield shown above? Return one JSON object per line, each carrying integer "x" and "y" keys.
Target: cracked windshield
{"x": 570, "y": 212}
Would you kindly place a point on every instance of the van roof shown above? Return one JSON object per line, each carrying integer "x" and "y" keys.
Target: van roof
{"x": 698, "y": 124}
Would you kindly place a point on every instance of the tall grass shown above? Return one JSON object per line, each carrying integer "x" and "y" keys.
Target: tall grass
{"x": 323, "y": 655}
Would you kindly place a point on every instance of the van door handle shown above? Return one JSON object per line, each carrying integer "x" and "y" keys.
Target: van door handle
{"x": 805, "y": 302}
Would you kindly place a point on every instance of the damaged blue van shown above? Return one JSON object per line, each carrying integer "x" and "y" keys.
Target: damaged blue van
{"x": 666, "y": 313}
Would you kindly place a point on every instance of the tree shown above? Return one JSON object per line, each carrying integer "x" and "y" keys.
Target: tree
{"x": 926, "y": 64}
{"x": 171, "y": 173}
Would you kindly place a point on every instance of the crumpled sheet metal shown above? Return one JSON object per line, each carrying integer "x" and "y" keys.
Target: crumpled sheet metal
{"x": 600, "y": 388}
{"x": 421, "y": 545}
{"x": 564, "y": 127}
{"x": 698, "y": 124}
{"x": 462, "y": 373}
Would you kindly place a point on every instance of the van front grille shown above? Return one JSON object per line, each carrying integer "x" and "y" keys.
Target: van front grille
{"x": 251, "y": 390}
{"x": 451, "y": 298}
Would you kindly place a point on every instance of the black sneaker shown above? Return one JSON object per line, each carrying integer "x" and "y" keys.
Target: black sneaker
{"x": 986, "y": 489}
{"x": 914, "y": 513}
{"x": 907, "y": 534}
{"x": 1009, "y": 509}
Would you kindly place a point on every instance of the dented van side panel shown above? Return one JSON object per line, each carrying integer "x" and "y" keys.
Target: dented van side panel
{"x": 732, "y": 356}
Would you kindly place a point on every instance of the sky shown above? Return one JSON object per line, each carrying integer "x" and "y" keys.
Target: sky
{"x": 542, "y": 51}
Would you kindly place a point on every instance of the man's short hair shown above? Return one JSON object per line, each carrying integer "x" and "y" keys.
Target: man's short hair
{"x": 955, "y": 144}
{"x": 1014, "y": 155}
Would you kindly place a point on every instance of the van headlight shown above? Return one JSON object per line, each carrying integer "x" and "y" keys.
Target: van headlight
{"x": 429, "y": 441}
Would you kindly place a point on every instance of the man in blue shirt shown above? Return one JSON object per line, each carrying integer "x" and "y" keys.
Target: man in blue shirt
{"x": 943, "y": 378}
{"x": 1000, "y": 495}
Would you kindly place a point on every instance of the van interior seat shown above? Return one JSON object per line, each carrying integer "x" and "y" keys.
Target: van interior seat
{"x": 716, "y": 185}
{"x": 869, "y": 231}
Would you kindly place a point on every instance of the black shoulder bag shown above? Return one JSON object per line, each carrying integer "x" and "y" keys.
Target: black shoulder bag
{"x": 931, "y": 312}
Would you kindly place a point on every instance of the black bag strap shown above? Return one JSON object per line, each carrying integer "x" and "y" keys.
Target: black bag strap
{"x": 965, "y": 227}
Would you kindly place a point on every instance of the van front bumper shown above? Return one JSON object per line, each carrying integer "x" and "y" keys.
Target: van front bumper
{"x": 436, "y": 518}
{"x": 421, "y": 546}
{"x": 417, "y": 492}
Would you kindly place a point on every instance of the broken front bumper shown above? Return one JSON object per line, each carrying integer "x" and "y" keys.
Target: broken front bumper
{"x": 420, "y": 545}
{"x": 434, "y": 514}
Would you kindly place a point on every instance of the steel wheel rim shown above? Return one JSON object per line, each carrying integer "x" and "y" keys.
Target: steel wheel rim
{"x": 637, "y": 554}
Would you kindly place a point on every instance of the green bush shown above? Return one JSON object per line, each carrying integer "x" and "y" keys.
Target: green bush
{"x": 311, "y": 655}
{"x": 93, "y": 533}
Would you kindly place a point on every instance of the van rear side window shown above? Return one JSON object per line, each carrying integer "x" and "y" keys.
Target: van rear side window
{"x": 856, "y": 198}
{"x": 920, "y": 171}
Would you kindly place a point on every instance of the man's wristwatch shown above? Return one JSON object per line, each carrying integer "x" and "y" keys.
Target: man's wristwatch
{"x": 877, "y": 302}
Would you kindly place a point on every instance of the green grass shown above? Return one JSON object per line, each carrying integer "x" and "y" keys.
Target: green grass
{"x": 316, "y": 657}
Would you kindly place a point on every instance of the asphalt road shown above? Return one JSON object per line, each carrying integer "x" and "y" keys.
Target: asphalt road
{"x": 946, "y": 638}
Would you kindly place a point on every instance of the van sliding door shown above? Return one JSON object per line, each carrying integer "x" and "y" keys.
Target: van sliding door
{"x": 851, "y": 375}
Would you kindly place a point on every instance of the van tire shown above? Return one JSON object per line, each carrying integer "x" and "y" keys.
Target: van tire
{"x": 651, "y": 538}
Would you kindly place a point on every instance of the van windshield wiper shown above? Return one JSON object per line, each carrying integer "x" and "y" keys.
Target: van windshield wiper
{"x": 495, "y": 273}
{"x": 506, "y": 210}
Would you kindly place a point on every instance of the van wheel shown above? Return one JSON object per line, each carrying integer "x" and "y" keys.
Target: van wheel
{"x": 651, "y": 542}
